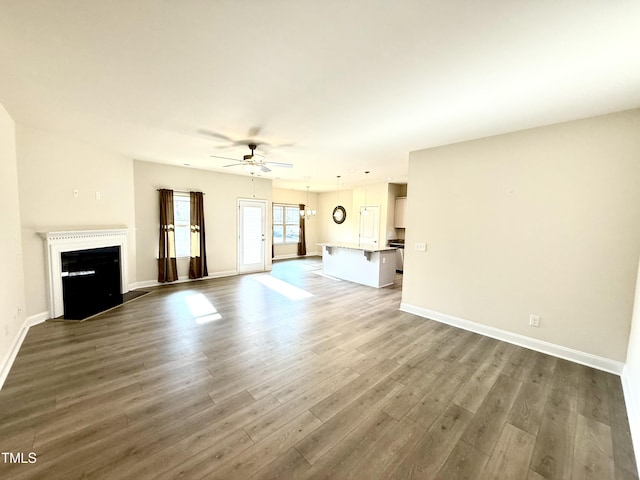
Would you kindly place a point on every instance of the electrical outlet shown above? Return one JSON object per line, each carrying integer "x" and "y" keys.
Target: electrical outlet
{"x": 76, "y": 194}
{"x": 534, "y": 320}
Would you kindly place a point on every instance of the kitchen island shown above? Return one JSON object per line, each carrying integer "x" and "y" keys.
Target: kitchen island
{"x": 370, "y": 265}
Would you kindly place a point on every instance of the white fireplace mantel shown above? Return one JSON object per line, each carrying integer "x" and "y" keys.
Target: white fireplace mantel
{"x": 71, "y": 240}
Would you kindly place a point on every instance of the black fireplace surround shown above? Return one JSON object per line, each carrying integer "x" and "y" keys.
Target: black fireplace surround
{"x": 90, "y": 281}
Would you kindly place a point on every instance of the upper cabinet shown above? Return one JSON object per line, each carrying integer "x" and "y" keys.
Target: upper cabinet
{"x": 400, "y": 213}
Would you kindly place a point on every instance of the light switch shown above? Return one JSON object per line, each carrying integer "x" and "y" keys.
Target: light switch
{"x": 421, "y": 247}
{"x": 98, "y": 196}
{"x": 75, "y": 193}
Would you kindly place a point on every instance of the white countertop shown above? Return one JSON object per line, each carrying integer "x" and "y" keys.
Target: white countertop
{"x": 355, "y": 246}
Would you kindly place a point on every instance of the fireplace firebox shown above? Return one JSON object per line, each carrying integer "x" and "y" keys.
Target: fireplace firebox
{"x": 90, "y": 281}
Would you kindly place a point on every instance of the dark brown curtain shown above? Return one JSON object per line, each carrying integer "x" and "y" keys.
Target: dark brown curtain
{"x": 167, "y": 268}
{"x": 302, "y": 243}
{"x": 198, "y": 260}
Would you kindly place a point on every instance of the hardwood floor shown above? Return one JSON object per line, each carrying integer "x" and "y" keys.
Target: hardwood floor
{"x": 229, "y": 379}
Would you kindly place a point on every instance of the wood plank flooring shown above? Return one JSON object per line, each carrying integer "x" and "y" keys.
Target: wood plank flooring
{"x": 228, "y": 379}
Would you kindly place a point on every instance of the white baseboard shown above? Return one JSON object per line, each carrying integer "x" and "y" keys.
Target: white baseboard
{"x": 185, "y": 279}
{"x": 294, "y": 255}
{"x": 7, "y": 362}
{"x": 631, "y": 389}
{"x": 286, "y": 257}
{"x": 583, "y": 358}
{"x": 37, "y": 318}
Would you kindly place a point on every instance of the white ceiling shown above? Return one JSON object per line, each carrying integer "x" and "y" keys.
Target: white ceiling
{"x": 353, "y": 85}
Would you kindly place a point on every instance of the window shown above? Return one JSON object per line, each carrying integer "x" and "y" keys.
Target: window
{"x": 181, "y": 219}
{"x": 286, "y": 224}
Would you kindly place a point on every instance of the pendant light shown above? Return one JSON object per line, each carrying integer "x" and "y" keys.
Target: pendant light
{"x": 365, "y": 211}
{"x": 339, "y": 213}
{"x": 308, "y": 213}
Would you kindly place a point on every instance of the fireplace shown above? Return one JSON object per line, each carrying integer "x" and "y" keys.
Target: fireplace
{"x": 79, "y": 263}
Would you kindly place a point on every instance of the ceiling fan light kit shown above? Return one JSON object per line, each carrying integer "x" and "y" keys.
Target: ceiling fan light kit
{"x": 253, "y": 169}
{"x": 253, "y": 163}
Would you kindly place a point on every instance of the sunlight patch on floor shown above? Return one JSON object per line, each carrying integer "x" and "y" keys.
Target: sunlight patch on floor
{"x": 320, "y": 272}
{"x": 311, "y": 267}
{"x": 283, "y": 288}
{"x": 202, "y": 309}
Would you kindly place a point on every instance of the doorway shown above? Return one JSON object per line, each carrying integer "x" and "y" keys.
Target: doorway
{"x": 252, "y": 242}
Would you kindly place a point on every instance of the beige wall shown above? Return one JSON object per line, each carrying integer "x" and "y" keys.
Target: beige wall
{"x": 49, "y": 169}
{"x": 631, "y": 374}
{"x": 296, "y": 197}
{"x": 329, "y": 231}
{"x": 222, "y": 192}
{"x": 543, "y": 221}
{"x": 376, "y": 194}
{"x": 12, "y": 298}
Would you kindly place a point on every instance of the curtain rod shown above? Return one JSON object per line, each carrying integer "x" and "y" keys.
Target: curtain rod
{"x": 179, "y": 191}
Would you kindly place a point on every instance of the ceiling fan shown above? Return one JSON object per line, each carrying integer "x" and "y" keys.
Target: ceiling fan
{"x": 252, "y": 138}
{"x": 253, "y": 162}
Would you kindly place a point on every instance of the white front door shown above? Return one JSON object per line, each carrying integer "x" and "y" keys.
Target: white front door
{"x": 252, "y": 242}
{"x": 369, "y": 225}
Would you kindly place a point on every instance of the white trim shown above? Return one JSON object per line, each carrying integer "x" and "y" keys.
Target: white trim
{"x": 38, "y": 318}
{"x": 69, "y": 241}
{"x": 7, "y": 362}
{"x": 632, "y": 401}
{"x": 185, "y": 279}
{"x": 577, "y": 356}
{"x": 287, "y": 257}
{"x": 295, "y": 255}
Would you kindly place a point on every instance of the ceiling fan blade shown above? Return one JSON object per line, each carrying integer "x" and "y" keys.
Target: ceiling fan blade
{"x": 280, "y": 164}
{"x": 232, "y": 165}
{"x": 226, "y": 158}
{"x": 217, "y": 135}
{"x": 265, "y": 168}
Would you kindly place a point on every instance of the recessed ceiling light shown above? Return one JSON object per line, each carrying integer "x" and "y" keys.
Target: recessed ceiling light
{"x": 351, "y": 170}
{"x": 187, "y": 164}
{"x": 389, "y": 179}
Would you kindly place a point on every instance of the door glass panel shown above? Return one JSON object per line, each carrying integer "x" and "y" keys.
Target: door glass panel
{"x": 252, "y": 239}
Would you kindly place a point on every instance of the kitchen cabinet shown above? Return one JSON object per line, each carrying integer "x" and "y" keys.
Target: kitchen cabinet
{"x": 400, "y": 212}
